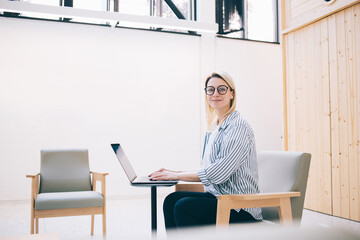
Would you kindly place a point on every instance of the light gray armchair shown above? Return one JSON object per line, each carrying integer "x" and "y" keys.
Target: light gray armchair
{"x": 64, "y": 188}
{"x": 282, "y": 181}
{"x": 284, "y": 172}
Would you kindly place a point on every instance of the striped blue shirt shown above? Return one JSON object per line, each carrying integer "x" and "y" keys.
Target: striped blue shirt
{"x": 233, "y": 160}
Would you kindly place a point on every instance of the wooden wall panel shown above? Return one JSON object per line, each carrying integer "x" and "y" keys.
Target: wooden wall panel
{"x": 308, "y": 108}
{"x": 344, "y": 42}
{"x": 323, "y": 109}
{"x": 301, "y": 12}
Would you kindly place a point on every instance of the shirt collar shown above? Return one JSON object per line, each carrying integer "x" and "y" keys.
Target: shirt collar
{"x": 228, "y": 119}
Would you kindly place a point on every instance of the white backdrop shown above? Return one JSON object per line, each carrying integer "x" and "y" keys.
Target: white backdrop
{"x": 82, "y": 86}
{"x": 257, "y": 72}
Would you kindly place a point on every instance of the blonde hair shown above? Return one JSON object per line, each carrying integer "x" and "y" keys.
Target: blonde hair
{"x": 211, "y": 116}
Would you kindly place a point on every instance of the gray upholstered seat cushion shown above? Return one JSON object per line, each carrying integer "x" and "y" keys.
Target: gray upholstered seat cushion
{"x": 63, "y": 200}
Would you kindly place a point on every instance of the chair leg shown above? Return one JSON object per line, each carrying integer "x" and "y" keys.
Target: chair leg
{"x": 92, "y": 224}
{"x": 104, "y": 223}
{"x": 32, "y": 223}
{"x": 284, "y": 210}
{"x": 36, "y": 225}
{"x": 223, "y": 214}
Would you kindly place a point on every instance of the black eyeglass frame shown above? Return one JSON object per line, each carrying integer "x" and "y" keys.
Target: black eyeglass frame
{"x": 217, "y": 89}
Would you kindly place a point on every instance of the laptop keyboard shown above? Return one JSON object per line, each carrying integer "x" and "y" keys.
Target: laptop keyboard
{"x": 143, "y": 179}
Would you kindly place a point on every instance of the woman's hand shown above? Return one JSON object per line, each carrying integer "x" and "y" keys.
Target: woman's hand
{"x": 165, "y": 174}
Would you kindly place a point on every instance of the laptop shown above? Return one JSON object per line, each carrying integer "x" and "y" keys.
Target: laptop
{"x": 130, "y": 173}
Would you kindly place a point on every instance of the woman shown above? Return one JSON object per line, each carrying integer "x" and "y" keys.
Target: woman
{"x": 229, "y": 164}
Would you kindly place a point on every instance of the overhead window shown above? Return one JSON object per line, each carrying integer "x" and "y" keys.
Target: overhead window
{"x": 248, "y": 19}
{"x": 179, "y": 9}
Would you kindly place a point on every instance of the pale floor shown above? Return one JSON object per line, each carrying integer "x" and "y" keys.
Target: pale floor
{"x": 130, "y": 219}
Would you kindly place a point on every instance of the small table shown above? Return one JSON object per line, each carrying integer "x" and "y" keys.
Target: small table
{"x": 153, "y": 210}
{"x": 154, "y": 202}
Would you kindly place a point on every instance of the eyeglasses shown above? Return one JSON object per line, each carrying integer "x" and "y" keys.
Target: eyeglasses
{"x": 222, "y": 90}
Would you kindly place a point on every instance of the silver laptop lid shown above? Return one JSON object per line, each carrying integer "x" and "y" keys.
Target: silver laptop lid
{"x": 130, "y": 173}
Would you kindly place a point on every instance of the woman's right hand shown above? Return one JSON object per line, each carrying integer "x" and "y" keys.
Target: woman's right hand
{"x": 164, "y": 174}
{"x": 164, "y": 170}
{"x": 161, "y": 170}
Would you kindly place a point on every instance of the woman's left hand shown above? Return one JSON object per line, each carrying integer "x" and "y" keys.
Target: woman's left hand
{"x": 164, "y": 174}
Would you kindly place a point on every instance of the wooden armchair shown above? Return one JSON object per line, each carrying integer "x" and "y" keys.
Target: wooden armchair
{"x": 64, "y": 188}
{"x": 282, "y": 181}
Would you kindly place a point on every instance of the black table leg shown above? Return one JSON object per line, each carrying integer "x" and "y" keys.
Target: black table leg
{"x": 153, "y": 210}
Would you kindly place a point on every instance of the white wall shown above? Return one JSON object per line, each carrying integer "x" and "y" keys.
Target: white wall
{"x": 81, "y": 86}
{"x": 257, "y": 70}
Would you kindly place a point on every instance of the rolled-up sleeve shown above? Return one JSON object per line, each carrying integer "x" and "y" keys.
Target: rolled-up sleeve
{"x": 203, "y": 178}
{"x": 233, "y": 153}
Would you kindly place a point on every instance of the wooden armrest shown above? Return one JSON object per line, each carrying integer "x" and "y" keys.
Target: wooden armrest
{"x": 192, "y": 187}
{"x": 33, "y": 176}
{"x": 101, "y": 178}
{"x": 34, "y": 187}
{"x": 279, "y": 200}
{"x": 259, "y": 196}
{"x": 99, "y": 173}
{"x": 98, "y": 176}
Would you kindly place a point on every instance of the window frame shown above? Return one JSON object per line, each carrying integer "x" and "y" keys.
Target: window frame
{"x": 110, "y": 18}
{"x": 222, "y": 19}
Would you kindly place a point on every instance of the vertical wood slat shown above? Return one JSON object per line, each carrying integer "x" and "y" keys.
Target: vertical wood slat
{"x": 309, "y": 113}
{"x": 350, "y": 31}
{"x": 296, "y": 97}
{"x": 285, "y": 58}
{"x": 302, "y": 90}
{"x": 325, "y": 120}
{"x": 296, "y": 87}
{"x": 290, "y": 86}
{"x": 314, "y": 118}
{"x": 313, "y": 107}
{"x": 343, "y": 115}
{"x": 357, "y": 79}
{"x": 349, "y": 102}
{"x": 334, "y": 111}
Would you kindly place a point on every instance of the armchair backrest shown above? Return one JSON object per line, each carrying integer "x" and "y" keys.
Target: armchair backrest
{"x": 64, "y": 171}
{"x": 281, "y": 171}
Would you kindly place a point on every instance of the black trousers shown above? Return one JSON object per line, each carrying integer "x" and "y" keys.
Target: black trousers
{"x": 185, "y": 209}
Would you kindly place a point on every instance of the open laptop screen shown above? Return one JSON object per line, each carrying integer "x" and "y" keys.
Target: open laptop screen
{"x": 130, "y": 173}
